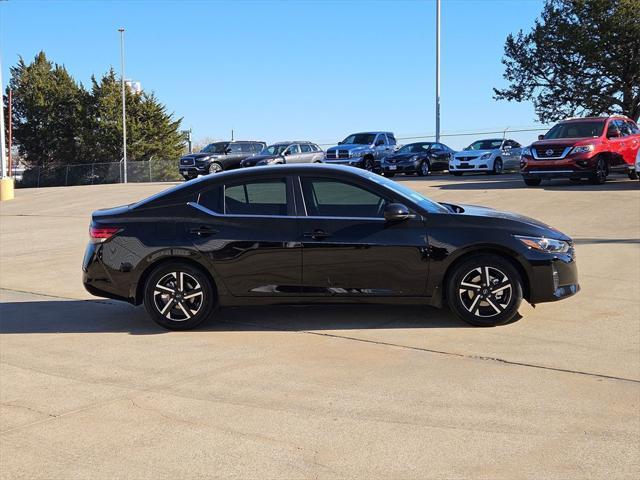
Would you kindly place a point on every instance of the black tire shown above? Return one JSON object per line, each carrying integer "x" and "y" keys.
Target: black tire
{"x": 457, "y": 174}
{"x": 389, "y": 174}
{"x": 532, "y": 182}
{"x": 599, "y": 176}
{"x": 179, "y": 296}
{"x": 368, "y": 164}
{"x": 424, "y": 169}
{"x": 482, "y": 303}
{"x": 215, "y": 167}
{"x": 497, "y": 167}
{"x": 633, "y": 175}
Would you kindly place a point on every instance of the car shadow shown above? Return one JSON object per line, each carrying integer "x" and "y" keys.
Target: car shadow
{"x": 512, "y": 182}
{"x": 100, "y": 316}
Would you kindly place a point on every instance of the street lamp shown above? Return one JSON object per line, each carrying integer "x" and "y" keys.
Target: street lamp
{"x": 124, "y": 105}
{"x": 437, "y": 71}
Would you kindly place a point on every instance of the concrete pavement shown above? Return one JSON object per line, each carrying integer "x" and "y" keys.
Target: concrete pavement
{"x": 92, "y": 388}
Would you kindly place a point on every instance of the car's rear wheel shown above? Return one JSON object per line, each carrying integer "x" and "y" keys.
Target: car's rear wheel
{"x": 179, "y": 296}
{"x": 215, "y": 167}
{"x": 485, "y": 290}
{"x": 599, "y": 176}
{"x": 532, "y": 182}
{"x": 423, "y": 169}
{"x": 497, "y": 167}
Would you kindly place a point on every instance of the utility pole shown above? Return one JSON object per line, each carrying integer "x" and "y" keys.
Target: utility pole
{"x": 124, "y": 105}
{"x": 10, "y": 132}
{"x": 3, "y": 151}
{"x": 438, "y": 71}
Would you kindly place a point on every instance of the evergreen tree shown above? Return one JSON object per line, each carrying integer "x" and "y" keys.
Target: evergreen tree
{"x": 48, "y": 112}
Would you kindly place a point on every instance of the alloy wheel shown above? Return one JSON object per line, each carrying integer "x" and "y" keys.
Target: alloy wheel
{"x": 485, "y": 291}
{"x": 424, "y": 168}
{"x": 497, "y": 166}
{"x": 368, "y": 164}
{"x": 601, "y": 172}
{"x": 178, "y": 296}
{"x": 215, "y": 168}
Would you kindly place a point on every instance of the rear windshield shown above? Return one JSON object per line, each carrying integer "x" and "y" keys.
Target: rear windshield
{"x": 575, "y": 130}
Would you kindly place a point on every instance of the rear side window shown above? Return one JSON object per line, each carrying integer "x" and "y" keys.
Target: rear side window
{"x": 212, "y": 199}
{"x": 633, "y": 127}
{"x": 246, "y": 148}
{"x": 305, "y": 148}
{"x": 335, "y": 198}
{"x": 266, "y": 197}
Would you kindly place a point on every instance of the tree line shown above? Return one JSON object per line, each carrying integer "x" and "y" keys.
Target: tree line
{"x": 58, "y": 121}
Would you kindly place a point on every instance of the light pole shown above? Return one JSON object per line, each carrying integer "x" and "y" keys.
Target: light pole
{"x": 438, "y": 71}
{"x": 124, "y": 106}
{"x": 3, "y": 153}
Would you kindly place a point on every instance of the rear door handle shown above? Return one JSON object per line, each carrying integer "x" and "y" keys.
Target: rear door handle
{"x": 203, "y": 231}
{"x": 316, "y": 234}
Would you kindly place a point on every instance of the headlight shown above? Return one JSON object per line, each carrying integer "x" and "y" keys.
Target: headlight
{"x": 542, "y": 244}
{"x": 526, "y": 151}
{"x": 583, "y": 149}
{"x": 486, "y": 156}
{"x": 356, "y": 154}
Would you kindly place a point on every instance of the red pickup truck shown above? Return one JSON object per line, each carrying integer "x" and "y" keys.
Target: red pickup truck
{"x": 581, "y": 148}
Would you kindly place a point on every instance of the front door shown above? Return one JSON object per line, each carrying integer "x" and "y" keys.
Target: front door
{"x": 349, "y": 249}
{"x": 247, "y": 230}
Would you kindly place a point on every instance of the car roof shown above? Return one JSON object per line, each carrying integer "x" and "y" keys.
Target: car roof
{"x": 292, "y": 141}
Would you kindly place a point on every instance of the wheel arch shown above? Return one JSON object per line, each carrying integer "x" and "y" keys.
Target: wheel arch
{"x": 138, "y": 290}
{"x": 506, "y": 253}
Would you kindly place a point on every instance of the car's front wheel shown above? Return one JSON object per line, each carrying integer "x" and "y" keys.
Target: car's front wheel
{"x": 215, "y": 167}
{"x": 599, "y": 176}
{"x": 497, "y": 167}
{"x": 179, "y": 296}
{"x": 368, "y": 164}
{"x": 633, "y": 175}
{"x": 485, "y": 290}
{"x": 423, "y": 170}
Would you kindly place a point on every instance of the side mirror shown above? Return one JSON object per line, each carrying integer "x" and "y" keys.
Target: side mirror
{"x": 287, "y": 153}
{"x": 227, "y": 151}
{"x": 613, "y": 133}
{"x": 396, "y": 212}
{"x": 340, "y": 143}
{"x": 540, "y": 137}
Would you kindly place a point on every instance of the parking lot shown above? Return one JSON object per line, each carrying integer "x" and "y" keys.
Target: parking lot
{"x": 93, "y": 388}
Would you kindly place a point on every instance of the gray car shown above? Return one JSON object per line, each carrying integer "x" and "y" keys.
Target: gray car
{"x": 286, "y": 152}
{"x": 364, "y": 150}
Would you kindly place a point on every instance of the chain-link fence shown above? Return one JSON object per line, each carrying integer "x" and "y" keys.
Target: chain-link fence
{"x": 100, "y": 173}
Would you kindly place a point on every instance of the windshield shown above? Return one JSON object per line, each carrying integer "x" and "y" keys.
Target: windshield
{"x": 575, "y": 130}
{"x": 360, "y": 139}
{"x": 276, "y": 149}
{"x": 415, "y": 197}
{"x": 485, "y": 145}
{"x": 415, "y": 148}
{"x": 219, "y": 147}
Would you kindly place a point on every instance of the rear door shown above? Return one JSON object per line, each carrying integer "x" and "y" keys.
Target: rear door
{"x": 248, "y": 232}
{"x": 306, "y": 153}
{"x": 348, "y": 248}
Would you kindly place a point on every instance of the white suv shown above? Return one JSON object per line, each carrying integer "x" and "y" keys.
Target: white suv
{"x": 492, "y": 155}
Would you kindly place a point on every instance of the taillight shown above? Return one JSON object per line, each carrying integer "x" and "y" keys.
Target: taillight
{"x": 102, "y": 234}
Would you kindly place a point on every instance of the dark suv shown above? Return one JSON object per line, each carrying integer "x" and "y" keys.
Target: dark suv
{"x": 583, "y": 148}
{"x": 217, "y": 157}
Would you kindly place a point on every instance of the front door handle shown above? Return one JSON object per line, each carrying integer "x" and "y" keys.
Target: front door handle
{"x": 317, "y": 234}
{"x": 203, "y": 231}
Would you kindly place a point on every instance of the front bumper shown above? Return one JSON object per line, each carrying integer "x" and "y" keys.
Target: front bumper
{"x": 351, "y": 162}
{"x": 192, "y": 171}
{"x": 472, "y": 166}
{"x": 572, "y": 166}
{"x": 553, "y": 279}
{"x": 401, "y": 167}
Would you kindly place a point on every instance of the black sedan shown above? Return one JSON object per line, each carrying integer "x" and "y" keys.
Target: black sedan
{"x": 420, "y": 158}
{"x": 320, "y": 234}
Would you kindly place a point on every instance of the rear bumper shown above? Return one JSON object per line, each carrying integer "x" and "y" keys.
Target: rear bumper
{"x": 102, "y": 281}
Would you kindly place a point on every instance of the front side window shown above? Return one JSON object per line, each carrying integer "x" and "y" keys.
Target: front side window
{"x": 485, "y": 144}
{"x": 335, "y": 198}
{"x": 266, "y": 197}
{"x": 294, "y": 149}
{"x": 381, "y": 140}
{"x": 633, "y": 128}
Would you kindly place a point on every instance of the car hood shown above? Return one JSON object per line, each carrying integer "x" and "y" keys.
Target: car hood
{"x": 350, "y": 147}
{"x": 561, "y": 142}
{"x": 398, "y": 157}
{"x": 199, "y": 155}
{"x": 531, "y": 225}
{"x": 258, "y": 158}
{"x": 472, "y": 153}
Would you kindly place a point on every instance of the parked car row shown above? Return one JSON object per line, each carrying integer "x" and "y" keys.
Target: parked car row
{"x": 590, "y": 148}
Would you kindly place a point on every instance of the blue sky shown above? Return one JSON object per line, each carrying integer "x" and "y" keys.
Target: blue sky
{"x": 278, "y": 70}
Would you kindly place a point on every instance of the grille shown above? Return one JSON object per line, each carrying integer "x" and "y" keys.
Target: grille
{"x": 550, "y": 151}
{"x": 332, "y": 154}
{"x": 466, "y": 159}
{"x": 187, "y": 161}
